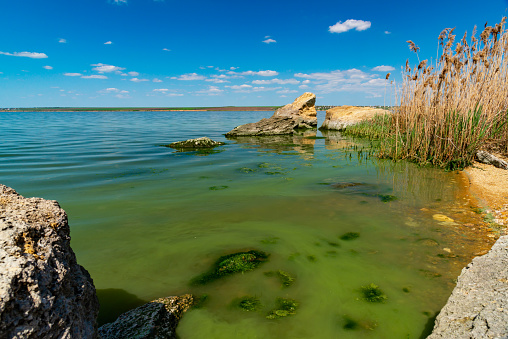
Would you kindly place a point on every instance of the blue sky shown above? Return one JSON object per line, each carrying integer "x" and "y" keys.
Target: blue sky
{"x": 128, "y": 53}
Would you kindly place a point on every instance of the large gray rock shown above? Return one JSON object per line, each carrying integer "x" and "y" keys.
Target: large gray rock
{"x": 478, "y": 306}
{"x": 490, "y": 159}
{"x": 44, "y": 293}
{"x": 156, "y": 319}
{"x": 300, "y": 114}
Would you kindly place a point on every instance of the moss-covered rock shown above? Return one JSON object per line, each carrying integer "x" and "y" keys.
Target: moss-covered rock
{"x": 230, "y": 264}
{"x": 285, "y": 307}
{"x": 285, "y": 278}
{"x": 372, "y": 293}
{"x": 248, "y": 303}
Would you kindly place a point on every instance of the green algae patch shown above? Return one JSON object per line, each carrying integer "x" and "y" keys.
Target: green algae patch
{"x": 350, "y": 236}
{"x": 285, "y": 278}
{"x": 372, "y": 293}
{"x": 247, "y": 170}
{"x": 230, "y": 264}
{"x": 387, "y": 197}
{"x": 351, "y": 324}
{"x": 248, "y": 303}
{"x": 285, "y": 307}
{"x": 218, "y": 188}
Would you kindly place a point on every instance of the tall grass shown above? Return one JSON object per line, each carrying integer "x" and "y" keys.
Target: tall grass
{"x": 451, "y": 107}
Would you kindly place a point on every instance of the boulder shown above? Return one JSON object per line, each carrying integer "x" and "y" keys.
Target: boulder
{"x": 300, "y": 114}
{"x": 340, "y": 117}
{"x": 203, "y": 142}
{"x": 44, "y": 293}
{"x": 156, "y": 319}
{"x": 478, "y": 306}
{"x": 490, "y": 159}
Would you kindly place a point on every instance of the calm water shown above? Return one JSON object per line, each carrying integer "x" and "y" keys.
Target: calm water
{"x": 145, "y": 220}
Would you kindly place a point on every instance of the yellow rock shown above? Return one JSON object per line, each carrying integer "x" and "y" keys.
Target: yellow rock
{"x": 442, "y": 217}
{"x": 338, "y": 118}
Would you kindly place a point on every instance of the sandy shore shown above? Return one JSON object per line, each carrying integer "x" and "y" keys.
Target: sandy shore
{"x": 489, "y": 185}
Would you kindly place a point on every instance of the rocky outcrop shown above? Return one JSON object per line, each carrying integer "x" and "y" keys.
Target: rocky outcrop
{"x": 298, "y": 115}
{"x": 203, "y": 142}
{"x": 338, "y": 118}
{"x": 489, "y": 159}
{"x": 44, "y": 293}
{"x": 156, "y": 319}
{"x": 478, "y": 306}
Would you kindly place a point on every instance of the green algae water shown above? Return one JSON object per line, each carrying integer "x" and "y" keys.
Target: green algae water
{"x": 146, "y": 220}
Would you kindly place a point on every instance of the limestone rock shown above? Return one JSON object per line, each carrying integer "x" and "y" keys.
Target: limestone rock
{"x": 478, "y": 306}
{"x": 203, "y": 142}
{"x": 156, "y": 319}
{"x": 490, "y": 159}
{"x": 338, "y": 118}
{"x": 297, "y": 115}
{"x": 44, "y": 293}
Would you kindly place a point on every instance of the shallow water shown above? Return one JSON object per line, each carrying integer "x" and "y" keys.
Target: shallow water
{"x": 146, "y": 219}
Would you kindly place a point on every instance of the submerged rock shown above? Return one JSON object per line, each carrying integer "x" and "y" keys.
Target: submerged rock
{"x": 338, "y": 118}
{"x": 478, "y": 305}
{"x": 44, "y": 293}
{"x": 203, "y": 142}
{"x": 297, "y": 115}
{"x": 156, "y": 319}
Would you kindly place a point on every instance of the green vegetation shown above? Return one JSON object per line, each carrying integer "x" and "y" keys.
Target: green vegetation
{"x": 230, "y": 264}
{"x": 372, "y": 293}
{"x": 285, "y": 307}
{"x": 387, "y": 197}
{"x": 248, "y": 303}
{"x": 449, "y": 108}
{"x": 350, "y": 236}
{"x": 217, "y": 188}
{"x": 285, "y": 278}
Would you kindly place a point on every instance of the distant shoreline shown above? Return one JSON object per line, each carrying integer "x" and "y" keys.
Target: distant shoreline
{"x": 139, "y": 109}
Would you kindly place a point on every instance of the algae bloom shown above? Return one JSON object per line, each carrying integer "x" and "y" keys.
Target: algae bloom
{"x": 373, "y": 294}
{"x": 285, "y": 278}
{"x": 285, "y": 307}
{"x": 232, "y": 263}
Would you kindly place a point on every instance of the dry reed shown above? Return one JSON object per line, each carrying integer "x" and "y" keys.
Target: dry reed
{"x": 451, "y": 107}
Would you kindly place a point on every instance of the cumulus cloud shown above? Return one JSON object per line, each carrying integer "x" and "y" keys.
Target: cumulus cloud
{"x": 139, "y": 80}
{"x": 269, "y": 41}
{"x": 47, "y": 67}
{"x": 383, "y": 68}
{"x": 176, "y": 95}
{"x": 62, "y": 41}
{"x": 211, "y": 90}
{"x": 236, "y": 87}
{"x": 72, "y": 74}
{"x": 287, "y": 91}
{"x": 276, "y": 81}
{"x": 387, "y": 32}
{"x": 119, "y": 2}
{"x": 266, "y": 73}
{"x": 133, "y": 74}
{"x": 161, "y": 90}
{"x": 167, "y": 50}
{"x": 341, "y": 27}
{"x": 108, "y": 43}
{"x": 157, "y": 80}
{"x": 32, "y": 55}
{"x": 250, "y": 89}
{"x": 95, "y": 76}
{"x": 190, "y": 77}
{"x": 103, "y": 68}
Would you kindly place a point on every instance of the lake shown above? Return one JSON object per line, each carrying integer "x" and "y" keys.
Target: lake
{"x": 146, "y": 220}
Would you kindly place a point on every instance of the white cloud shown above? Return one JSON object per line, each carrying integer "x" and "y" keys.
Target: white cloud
{"x": 112, "y": 89}
{"x": 47, "y": 67}
{"x": 383, "y": 68}
{"x": 211, "y": 90}
{"x": 269, "y": 41}
{"x": 161, "y": 90}
{"x": 249, "y": 89}
{"x": 72, "y": 74}
{"x": 139, "y": 80}
{"x": 341, "y": 27}
{"x": 108, "y": 43}
{"x": 103, "y": 68}
{"x": 303, "y": 86}
{"x": 62, "y": 41}
{"x": 266, "y": 73}
{"x": 119, "y": 2}
{"x": 190, "y": 77}
{"x": 95, "y": 76}
{"x": 133, "y": 74}
{"x": 157, "y": 80}
{"x": 32, "y": 55}
{"x": 235, "y": 87}
{"x": 287, "y": 91}
{"x": 387, "y": 32}
{"x": 176, "y": 95}
{"x": 233, "y": 68}
{"x": 167, "y": 50}
{"x": 276, "y": 81}
{"x": 217, "y": 81}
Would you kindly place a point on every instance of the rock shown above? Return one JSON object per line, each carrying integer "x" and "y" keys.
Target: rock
{"x": 338, "y": 118}
{"x": 490, "y": 159}
{"x": 297, "y": 115}
{"x": 156, "y": 319}
{"x": 478, "y": 306}
{"x": 44, "y": 293}
{"x": 203, "y": 142}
